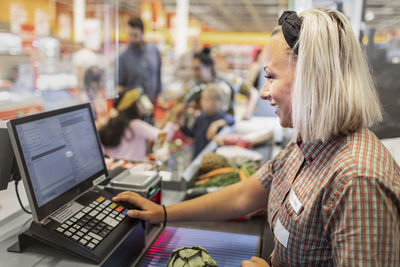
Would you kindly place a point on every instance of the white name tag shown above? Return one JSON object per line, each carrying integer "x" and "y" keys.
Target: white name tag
{"x": 281, "y": 233}
{"x": 295, "y": 202}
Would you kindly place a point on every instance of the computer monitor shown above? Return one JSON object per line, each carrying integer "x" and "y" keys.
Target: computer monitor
{"x": 8, "y": 166}
{"x": 59, "y": 156}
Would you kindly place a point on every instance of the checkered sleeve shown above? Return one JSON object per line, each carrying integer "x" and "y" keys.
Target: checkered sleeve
{"x": 264, "y": 175}
{"x": 266, "y": 172}
{"x": 364, "y": 225}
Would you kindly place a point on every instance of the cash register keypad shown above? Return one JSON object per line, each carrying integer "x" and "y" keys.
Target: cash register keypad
{"x": 93, "y": 223}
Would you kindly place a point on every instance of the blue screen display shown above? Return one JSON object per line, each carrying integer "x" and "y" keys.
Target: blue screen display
{"x": 60, "y": 152}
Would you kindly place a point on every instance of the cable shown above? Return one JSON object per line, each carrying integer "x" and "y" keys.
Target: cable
{"x": 19, "y": 199}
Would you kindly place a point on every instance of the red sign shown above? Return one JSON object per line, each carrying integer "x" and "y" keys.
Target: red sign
{"x": 27, "y": 35}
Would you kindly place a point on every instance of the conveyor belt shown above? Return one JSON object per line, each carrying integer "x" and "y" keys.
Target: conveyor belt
{"x": 226, "y": 249}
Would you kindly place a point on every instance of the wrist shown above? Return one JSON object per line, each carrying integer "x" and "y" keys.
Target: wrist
{"x": 159, "y": 214}
{"x": 221, "y": 124}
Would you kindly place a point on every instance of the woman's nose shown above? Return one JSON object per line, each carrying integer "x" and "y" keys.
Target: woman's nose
{"x": 265, "y": 92}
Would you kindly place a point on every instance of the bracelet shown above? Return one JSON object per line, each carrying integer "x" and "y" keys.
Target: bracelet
{"x": 165, "y": 215}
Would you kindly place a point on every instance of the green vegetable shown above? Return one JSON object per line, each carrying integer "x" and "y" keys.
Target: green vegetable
{"x": 249, "y": 169}
{"x": 222, "y": 180}
{"x": 240, "y": 162}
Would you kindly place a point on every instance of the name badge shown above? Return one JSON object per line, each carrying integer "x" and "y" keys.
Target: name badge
{"x": 295, "y": 202}
{"x": 281, "y": 233}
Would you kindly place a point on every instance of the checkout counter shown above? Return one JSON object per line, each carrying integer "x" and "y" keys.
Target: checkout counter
{"x": 244, "y": 236}
{"x": 228, "y": 242}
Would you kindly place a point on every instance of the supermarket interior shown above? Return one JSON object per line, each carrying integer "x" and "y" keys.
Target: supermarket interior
{"x": 199, "y": 133}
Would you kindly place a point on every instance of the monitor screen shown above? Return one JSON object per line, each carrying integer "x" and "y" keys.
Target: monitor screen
{"x": 59, "y": 156}
{"x": 60, "y": 152}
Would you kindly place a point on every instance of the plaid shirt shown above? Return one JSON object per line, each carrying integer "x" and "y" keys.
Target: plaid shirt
{"x": 349, "y": 190}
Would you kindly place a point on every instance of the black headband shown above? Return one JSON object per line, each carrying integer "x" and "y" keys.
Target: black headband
{"x": 291, "y": 25}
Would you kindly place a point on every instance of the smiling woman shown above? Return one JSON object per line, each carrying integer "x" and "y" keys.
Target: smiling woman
{"x": 332, "y": 194}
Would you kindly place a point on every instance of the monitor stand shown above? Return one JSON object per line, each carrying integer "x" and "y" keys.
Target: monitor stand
{"x": 25, "y": 240}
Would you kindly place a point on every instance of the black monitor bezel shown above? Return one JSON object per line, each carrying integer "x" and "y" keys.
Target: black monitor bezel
{"x": 45, "y": 210}
{"x": 7, "y": 159}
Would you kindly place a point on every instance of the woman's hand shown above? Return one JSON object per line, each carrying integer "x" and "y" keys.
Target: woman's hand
{"x": 149, "y": 211}
{"x": 254, "y": 262}
{"x": 214, "y": 127}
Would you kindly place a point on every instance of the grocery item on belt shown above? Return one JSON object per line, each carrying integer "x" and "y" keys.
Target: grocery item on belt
{"x": 195, "y": 256}
{"x": 212, "y": 161}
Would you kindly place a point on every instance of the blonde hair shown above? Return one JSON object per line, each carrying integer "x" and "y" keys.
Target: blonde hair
{"x": 215, "y": 91}
{"x": 333, "y": 91}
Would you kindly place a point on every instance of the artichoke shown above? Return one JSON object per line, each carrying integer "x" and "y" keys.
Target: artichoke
{"x": 195, "y": 256}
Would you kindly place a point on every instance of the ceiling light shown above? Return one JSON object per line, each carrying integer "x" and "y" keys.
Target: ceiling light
{"x": 369, "y": 15}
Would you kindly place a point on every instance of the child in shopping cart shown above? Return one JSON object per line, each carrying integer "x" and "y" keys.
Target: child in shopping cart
{"x": 211, "y": 119}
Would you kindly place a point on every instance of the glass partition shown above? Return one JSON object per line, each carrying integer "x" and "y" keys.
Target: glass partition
{"x": 55, "y": 53}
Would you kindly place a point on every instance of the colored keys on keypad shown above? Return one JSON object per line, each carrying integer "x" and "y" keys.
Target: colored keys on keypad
{"x": 113, "y": 205}
{"x": 119, "y": 209}
{"x": 93, "y": 223}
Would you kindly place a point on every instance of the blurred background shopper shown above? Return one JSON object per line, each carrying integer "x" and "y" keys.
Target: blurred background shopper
{"x": 125, "y": 136}
{"x": 140, "y": 63}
